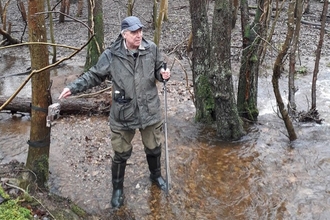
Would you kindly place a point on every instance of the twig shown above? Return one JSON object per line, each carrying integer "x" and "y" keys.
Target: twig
{"x": 91, "y": 94}
{"x": 16, "y": 187}
{"x": 73, "y": 18}
{"x": 40, "y": 43}
{"x": 174, "y": 49}
{"x": 187, "y": 82}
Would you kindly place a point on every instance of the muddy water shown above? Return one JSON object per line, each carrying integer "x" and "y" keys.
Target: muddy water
{"x": 260, "y": 177}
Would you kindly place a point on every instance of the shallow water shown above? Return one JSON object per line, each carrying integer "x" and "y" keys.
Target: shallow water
{"x": 262, "y": 176}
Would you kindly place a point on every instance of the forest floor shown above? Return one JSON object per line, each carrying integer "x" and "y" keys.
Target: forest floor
{"x": 175, "y": 33}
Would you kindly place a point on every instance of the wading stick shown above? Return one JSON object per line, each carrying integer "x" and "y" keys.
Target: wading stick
{"x": 167, "y": 162}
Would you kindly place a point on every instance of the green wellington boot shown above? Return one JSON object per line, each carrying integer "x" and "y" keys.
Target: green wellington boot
{"x": 155, "y": 171}
{"x": 118, "y": 173}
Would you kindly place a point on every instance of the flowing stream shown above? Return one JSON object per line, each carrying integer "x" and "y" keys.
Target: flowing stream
{"x": 262, "y": 176}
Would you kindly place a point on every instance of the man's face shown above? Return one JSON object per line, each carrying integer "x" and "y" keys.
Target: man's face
{"x": 133, "y": 38}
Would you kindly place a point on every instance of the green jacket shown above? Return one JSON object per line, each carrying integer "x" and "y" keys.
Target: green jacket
{"x": 140, "y": 106}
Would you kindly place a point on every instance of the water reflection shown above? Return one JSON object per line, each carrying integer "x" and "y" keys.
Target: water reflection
{"x": 9, "y": 84}
{"x": 258, "y": 178}
{"x": 14, "y": 130}
{"x": 10, "y": 62}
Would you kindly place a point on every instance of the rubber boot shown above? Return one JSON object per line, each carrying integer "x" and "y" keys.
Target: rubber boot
{"x": 155, "y": 171}
{"x": 118, "y": 173}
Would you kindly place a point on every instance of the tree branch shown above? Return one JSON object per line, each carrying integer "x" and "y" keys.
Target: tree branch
{"x": 8, "y": 37}
{"x": 41, "y": 70}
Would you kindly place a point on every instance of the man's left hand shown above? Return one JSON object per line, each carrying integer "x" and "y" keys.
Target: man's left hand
{"x": 166, "y": 74}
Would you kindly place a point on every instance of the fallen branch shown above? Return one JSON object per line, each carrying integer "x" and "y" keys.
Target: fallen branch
{"x": 187, "y": 84}
{"x": 316, "y": 25}
{"x": 16, "y": 74}
{"x": 9, "y": 38}
{"x": 72, "y": 105}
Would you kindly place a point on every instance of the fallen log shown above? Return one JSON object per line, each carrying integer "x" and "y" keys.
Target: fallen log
{"x": 316, "y": 25}
{"x": 72, "y": 105}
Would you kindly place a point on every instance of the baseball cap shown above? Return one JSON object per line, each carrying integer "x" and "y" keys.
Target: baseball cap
{"x": 131, "y": 23}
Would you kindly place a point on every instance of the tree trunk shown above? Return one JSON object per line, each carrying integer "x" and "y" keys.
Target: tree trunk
{"x": 130, "y": 6}
{"x": 203, "y": 99}
{"x": 277, "y": 74}
{"x": 95, "y": 21}
{"x": 229, "y": 124}
{"x": 292, "y": 107}
{"x": 159, "y": 20}
{"x": 65, "y": 5}
{"x": 38, "y": 153}
{"x": 3, "y": 15}
{"x": 235, "y": 12}
{"x": 51, "y": 29}
{"x": 318, "y": 54}
{"x": 80, "y": 8}
{"x": 247, "y": 94}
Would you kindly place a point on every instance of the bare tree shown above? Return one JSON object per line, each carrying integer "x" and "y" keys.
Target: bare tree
{"x": 38, "y": 153}
{"x": 250, "y": 60}
{"x": 277, "y": 71}
{"x": 80, "y": 8}
{"x": 318, "y": 55}
{"x": 292, "y": 59}
{"x": 95, "y": 22}
{"x": 51, "y": 29}
{"x": 65, "y": 9}
{"x": 203, "y": 99}
{"x": 235, "y": 12}
{"x": 130, "y": 6}
{"x": 211, "y": 66}
{"x": 162, "y": 16}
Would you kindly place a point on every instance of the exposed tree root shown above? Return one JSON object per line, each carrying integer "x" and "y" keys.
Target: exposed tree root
{"x": 311, "y": 116}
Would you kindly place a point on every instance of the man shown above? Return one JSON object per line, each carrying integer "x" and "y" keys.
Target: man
{"x": 133, "y": 64}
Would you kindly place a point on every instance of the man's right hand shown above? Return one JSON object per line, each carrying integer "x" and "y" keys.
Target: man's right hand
{"x": 65, "y": 93}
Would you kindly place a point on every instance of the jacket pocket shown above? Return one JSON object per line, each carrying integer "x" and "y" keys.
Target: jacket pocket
{"x": 153, "y": 103}
{"x": 124, "y": 112}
